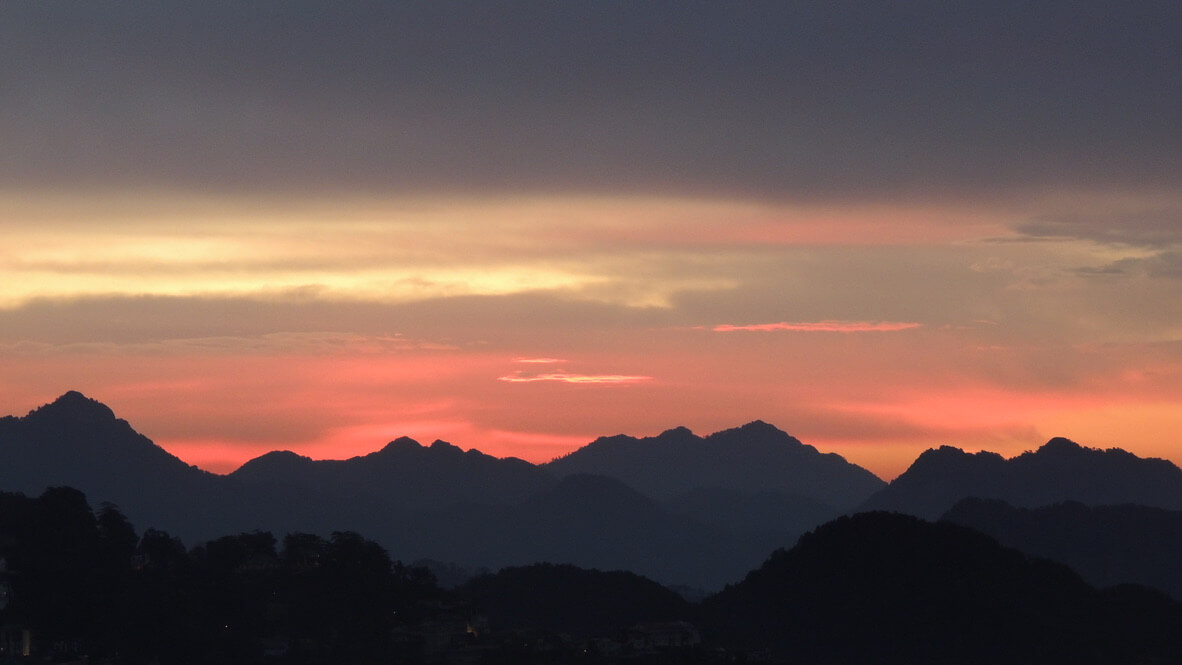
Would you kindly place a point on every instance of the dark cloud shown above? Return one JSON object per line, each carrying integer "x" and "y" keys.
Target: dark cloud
{"x": 1164, "y": 265}
{"x": 1156, "y": 228}
{"x": 1156, "y": 234}
{"x": 777, "y": 99}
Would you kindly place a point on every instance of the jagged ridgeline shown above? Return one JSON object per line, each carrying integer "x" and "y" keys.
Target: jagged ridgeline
{"x": 1061, "y": 470}
{"x": 672, "y": 510}
{"x": 682, "y": 509}
{"x": 687, "y": 510}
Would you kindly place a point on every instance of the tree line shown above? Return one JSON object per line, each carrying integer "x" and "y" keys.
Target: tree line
{"x": 82, "y": 582}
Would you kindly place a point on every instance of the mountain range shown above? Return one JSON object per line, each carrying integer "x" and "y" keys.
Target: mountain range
{"x": 441, "y": 503}
{"x": 682, "y": 509}
{"x": 1061, "y": 470}
{"x": 756, "y": 457}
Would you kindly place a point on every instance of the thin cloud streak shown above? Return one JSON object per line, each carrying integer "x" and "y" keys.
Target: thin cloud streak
{"x": 563, "y": 377}
{"x": 821, "y": 326}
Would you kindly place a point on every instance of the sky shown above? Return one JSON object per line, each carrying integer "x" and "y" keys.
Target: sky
{"x": 518, "y": 226}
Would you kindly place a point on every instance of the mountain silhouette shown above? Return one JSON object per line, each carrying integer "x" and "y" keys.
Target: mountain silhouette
{"x": 77, "y": 441}
{"x": 890, "y": 588}
{"x": 420, "y": 502}
{"x": 76, "y": 438}
{"x": 672, "y": 507}
{"x": 404, "y": 475}
{"x": 1061, "y": 470}
{"x": 753, "y": 458}
{"x": 1106, "y": 545}
{"x": 591, "y": 522}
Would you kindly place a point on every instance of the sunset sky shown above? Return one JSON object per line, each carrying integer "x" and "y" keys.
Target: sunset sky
{"x": 319, "y": 226}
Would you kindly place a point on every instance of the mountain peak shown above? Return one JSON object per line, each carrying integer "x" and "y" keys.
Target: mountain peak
{"x": 270, "y": 462}
{"x": 1060, "y": 445}
{"x": 76, "y": 406}
{"x": 759, "y": 426}
{"x": 947, "y": 458}
{"x": 758, "y": 432}
{"x": 441, "y": 446}
{"x": 1061, "y": 470}
{"x": 402, "y": 443}
{"x": 679, "y": 432}
{"x": 754, "y": 457}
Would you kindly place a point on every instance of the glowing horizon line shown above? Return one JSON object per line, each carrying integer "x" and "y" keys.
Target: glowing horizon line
{"x": 574, "y": 378}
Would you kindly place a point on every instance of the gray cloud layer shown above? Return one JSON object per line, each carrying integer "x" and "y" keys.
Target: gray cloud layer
{"x": 1153, "y": 228}
{"x": 827, "y": 99}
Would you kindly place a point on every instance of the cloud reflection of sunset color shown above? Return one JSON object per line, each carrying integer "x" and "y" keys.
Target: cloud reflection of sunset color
{"x": 250, "y": 227}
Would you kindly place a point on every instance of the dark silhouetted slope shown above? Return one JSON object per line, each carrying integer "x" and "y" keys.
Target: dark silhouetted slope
{"x": 1059, "y": 471}
{"x": 784, "y": 515}
{"x": 404, "y": 476}
{"x": 890, "y": 588}
{"x": 437, "y": 502}
{"x": 76, "y": 441}
{"x": 591, "y": 522}
{"x": 752, "y": 458}
{"x": 75, "y": 438}
{"x": 1107, "y": 545}
{"x": 572, "y": 600}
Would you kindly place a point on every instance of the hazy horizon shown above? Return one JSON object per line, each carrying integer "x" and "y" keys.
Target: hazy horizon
{"x": 428, "y": 441}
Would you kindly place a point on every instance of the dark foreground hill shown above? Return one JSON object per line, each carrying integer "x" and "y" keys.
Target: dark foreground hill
{"x": 1106, "y": 545}
{"x": 885, "y": 588}
{"x": 80, "y": 585}
{"x": 1061, "y": 470}
{"x": 568, "y": 599}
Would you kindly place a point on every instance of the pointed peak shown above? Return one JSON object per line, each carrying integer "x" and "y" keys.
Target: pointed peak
{"x": 70, "y": 396}
{"x": 944, "y": 451}
{"x": 441, "y": 446}
{"x": 76, "y": 405}
{"x": 756, "y": 432}
{"x": 758, "y": 429}
{"x": 759, "y": 426}
{"x": 946, "y": 458}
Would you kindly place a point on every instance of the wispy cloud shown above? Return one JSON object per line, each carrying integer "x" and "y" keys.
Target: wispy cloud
{"x": 1152, "y": 228}
{"x": 821, "y": 326}
{"x": 539, "y": 361}
{"x": 564, "y": 377}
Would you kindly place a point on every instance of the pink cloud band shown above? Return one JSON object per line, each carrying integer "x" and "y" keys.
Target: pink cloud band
{"x": 822, "y": 326}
